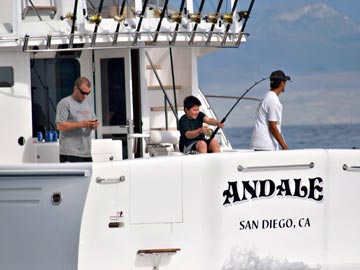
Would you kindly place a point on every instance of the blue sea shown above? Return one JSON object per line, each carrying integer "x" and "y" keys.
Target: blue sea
{"x": 339, "y": 136}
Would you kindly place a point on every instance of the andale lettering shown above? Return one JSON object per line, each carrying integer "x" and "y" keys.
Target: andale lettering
{"x": 247, "y": 190}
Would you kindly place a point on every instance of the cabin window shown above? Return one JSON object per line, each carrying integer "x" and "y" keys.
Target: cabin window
{"x": 51, "y": 80}
{"x": 6, "y": 76}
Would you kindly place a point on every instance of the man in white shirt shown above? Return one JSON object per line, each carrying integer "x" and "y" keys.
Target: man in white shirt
{"x": 267, "y": 131}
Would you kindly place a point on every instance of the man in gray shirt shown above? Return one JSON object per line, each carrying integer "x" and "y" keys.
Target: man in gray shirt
{"x": 75, "y": 119}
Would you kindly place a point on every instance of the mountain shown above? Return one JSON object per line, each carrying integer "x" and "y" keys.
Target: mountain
{"x": 316, "y": 42}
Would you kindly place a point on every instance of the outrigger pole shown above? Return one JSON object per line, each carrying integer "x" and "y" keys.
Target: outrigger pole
{"x": 97, "y": 21}
{"x": 162, "y": 15}
{"x": 178, "y": 18}
{"x": 197, "y": 19}
{"x": 240, "y": 98}
{"x": 120, "y": 18}
{"x": 137, "y": 33}
{"x": 214, "y": 20}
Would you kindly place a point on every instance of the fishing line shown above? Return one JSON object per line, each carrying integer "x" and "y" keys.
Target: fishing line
{"x": 232, "y": 108}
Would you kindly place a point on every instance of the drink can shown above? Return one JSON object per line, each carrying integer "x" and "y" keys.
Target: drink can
{"x": 48, "y": 136}
{"x": 40, "y": 136}
{"x": 54, "y": 136}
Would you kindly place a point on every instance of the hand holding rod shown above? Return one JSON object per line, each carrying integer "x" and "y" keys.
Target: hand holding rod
{"x": 240, "y": 98}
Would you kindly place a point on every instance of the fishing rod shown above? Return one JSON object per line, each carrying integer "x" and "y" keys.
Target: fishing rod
{"x": 73, "y": 25}
{"x": 197, "y": 19}
{"x": 142, "y": 14}
{"x": 244, "y": 15}
{"x": 120, "y": 18}
{"x": 177, "y": 19}
{"x": 229, "y": 19}
{"x": 97, "y": 20}
{"x": 162, "y": 15}
{"x": 232, "y": 108}
{"x": 213, "y": 19}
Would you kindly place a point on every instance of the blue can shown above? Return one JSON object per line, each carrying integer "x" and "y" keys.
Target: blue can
{"x": 54, "y": 136}
{"x": 48, "y": 136}
{"x": 40, "y": 136}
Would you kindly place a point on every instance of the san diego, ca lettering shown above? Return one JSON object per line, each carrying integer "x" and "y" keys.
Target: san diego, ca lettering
{"x": 242, "y": 191}
{"x": 274, "y": 224}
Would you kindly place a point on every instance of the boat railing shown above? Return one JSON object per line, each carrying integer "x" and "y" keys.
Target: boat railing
{"x": 140, "y": 25}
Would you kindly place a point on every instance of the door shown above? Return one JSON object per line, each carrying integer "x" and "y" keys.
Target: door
{"x": 114, "y": 96}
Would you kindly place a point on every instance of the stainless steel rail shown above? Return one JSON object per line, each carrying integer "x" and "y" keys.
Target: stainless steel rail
{"x": 101, "y": 180}
{"x": 310, "y": 165}
{"x": 351, "y": 168}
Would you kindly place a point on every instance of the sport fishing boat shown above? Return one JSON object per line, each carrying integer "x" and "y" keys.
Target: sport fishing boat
{"x": 141, "y": 204}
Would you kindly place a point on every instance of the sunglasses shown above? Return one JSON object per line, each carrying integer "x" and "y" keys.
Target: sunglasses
{"x": 83, "y": 92}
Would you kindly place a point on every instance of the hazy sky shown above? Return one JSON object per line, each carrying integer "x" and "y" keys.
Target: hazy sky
{"x": 316, "y": 42}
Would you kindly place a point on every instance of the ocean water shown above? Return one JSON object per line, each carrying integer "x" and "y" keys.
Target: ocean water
{"x": 339, "y": 136}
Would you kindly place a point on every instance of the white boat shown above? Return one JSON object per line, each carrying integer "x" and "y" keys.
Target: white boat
{"x": 141, "y": 204}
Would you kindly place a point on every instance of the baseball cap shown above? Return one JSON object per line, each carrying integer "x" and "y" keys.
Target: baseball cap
{"x": 279, "y": 75}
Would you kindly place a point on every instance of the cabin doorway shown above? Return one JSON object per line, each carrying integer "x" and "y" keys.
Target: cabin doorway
{"x": 116, "y": 99}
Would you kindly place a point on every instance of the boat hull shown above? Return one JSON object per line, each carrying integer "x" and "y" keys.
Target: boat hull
{"x": 279, "y": 210}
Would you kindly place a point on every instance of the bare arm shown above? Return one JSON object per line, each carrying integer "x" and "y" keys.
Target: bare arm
{"x": 194, "y": 133}
{"x": 65, "y": 126}
{"x": 213, "y": 122}
{"x": 277, "y": 135}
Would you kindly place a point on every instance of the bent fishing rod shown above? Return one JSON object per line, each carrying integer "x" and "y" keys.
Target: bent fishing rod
{"x": 233, "y": 107}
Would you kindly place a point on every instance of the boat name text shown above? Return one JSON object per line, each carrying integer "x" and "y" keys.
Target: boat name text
{"x": 242, "y": 191}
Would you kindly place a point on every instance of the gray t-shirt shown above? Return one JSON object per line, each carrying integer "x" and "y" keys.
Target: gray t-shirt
{"x": 76, "y": 142}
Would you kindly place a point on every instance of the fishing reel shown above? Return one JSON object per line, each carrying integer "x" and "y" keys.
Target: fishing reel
{"x": 157, "y": 13}
{"x": 212, "y": 18}
{"x": 208, "y": 132}
{"x": 195, "y": 17}
{"x": 176, "y": 17}
{"x": 227, "y": 18}
{"x": 243, "y": 14}
{"x": 95, "y": 19}
{"x": 120, "y": 19}
{"x": 69, "y": 16}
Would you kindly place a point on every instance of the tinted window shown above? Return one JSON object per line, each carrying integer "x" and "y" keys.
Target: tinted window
{"x": 6, "y": 76}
